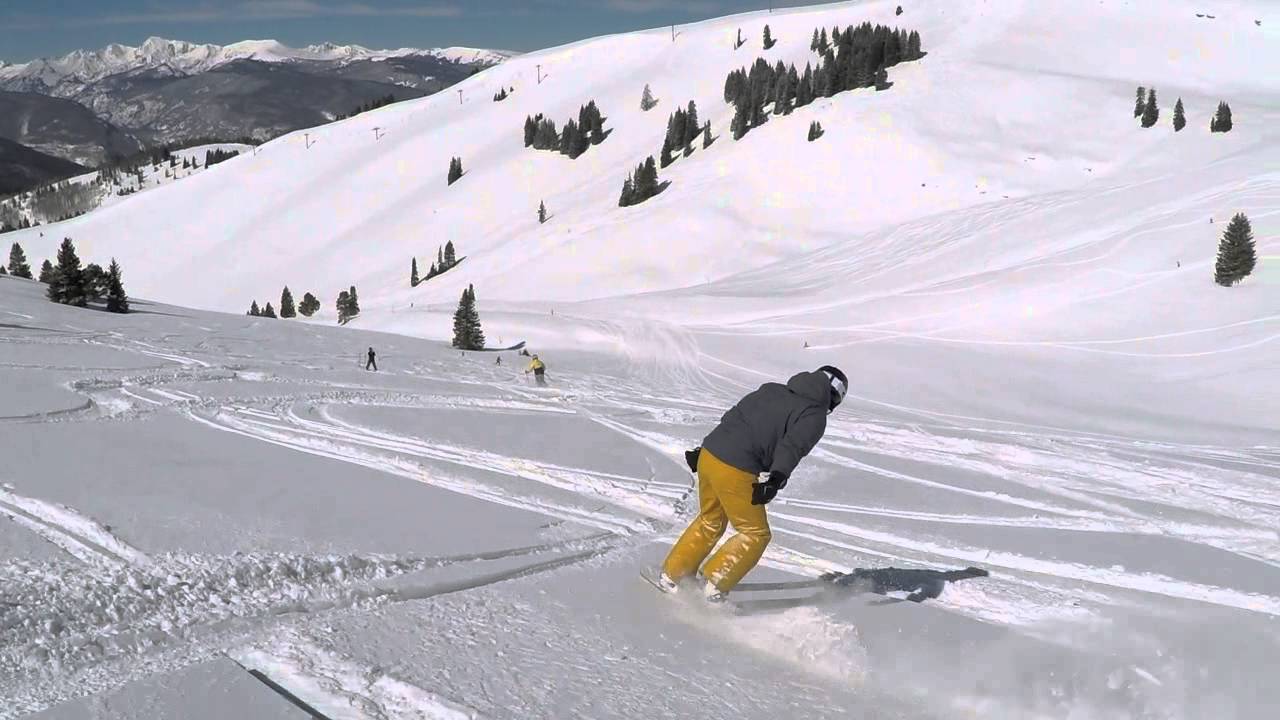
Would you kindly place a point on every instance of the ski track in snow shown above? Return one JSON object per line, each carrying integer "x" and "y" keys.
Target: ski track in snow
{"x": 343, "y": 689}
{"x": 66, "y": 632}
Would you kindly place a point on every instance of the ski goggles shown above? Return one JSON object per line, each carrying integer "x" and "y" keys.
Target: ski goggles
{"x": 838, "y": 390}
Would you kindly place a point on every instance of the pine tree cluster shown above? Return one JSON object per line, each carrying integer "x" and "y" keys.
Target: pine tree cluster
{"x": 682, "y": 130}
{"x": 467, "y": 333}
{"x": 366, "y": 107}
{"x": 815, "y": 130}
{"x": 18, "y": 266}
{"x": 503, "y": 94}
{"x": 1236, "y": 253}
{"x": 446, "y": 259}
{"x": 857, "y": 57}
{"x": 213, "y": 157}
{"x": 348, "y": 305}
{"x": 641, "y": 184}
{"x": 1221, "y": 121}
{"x": 309, "y": 305}
{"x": 70, "y": 284}
{"x": 578, "y": 135}
{"x": 455, "y": 170}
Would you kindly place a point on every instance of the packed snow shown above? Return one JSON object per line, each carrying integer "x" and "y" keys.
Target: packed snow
{"x": 1017, "y": 279}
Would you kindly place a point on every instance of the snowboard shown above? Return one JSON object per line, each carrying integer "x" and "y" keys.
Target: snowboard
{"x": 920, "y": 585}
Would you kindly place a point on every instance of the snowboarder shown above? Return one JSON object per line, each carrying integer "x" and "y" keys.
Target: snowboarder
{"x": 372, "y": 361}
{"x": 538, "y": 369}
{"x": 499, "y": 361}
{"x": 741, "y": 466}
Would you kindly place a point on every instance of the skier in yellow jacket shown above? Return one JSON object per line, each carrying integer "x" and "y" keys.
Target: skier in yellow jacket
{"x": 538, "y": 369}
{"x": 741, "y": 466}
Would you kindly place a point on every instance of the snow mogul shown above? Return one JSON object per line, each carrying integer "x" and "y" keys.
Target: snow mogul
{"x": 741, "y": 466}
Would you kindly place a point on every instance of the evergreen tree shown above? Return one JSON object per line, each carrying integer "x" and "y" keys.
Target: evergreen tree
{"x": 1150, "y": 113}
{"x": 1179, "y": 118}
{"x": 882, "y": 79}
{"x": 531, "y": 129}
{"x": 434, "y": 271}
{"x": 18, "y": 266}
{"x": 815, "y": 130}
{"x": 813, "y": 44}
{"x": 542, "y": 212}
{"x": 3, "y": 271}
{"x": 439, "y": 260}
{"x": 570, "y": 140}
{"x": 47, "y": 272}
{"x": 823, "y": 44}
{"x": 628, "y": 196}
{"x": 117, "y": 300}
{"x": 353, "y": 303}
{"x": 739, "y": 42}
{"x": 1221, "y": 121}
{"x": 913, "y": 46}
{"x": 1141, "y": 104}
{"x": 269, "y": 311}
{"x": 344, "y": 300}
{"x": 467, "y": 333}
{"x": 413, "y": 273}
{"x": 691, "y": 124}
{"x": 449, "y": 260}
{"x": 455, "y": 170}
{"x": 769, "y": 42}
{"x": 647, "y": 102}
{"x": 287, "y": 309}
{"x": 665, "y": 156}
{"x": 95, "y": 283}
{"x": 309, "y": 305}
{"x": 254, "y": 311}
{"x": 67, "y": 286}
{"x": 706, "y": 135}
{"x": 1236, "y": 254}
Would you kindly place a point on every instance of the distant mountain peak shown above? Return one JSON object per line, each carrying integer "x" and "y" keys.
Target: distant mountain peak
{"x": 67, "y": 75}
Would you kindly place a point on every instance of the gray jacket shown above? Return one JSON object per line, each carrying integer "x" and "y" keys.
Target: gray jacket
{"x": 773, "y": 427}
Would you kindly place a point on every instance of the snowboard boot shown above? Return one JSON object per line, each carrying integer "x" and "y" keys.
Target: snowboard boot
{"x": 712, "y": 595}
{"x": 667, "y": 585}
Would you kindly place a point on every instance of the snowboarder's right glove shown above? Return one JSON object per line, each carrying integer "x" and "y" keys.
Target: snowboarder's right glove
{"x": 691, "y": 457}
{"x": 763, "y": 492}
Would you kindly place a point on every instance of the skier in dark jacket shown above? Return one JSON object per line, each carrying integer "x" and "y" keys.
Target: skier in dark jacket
{"x": 372, "y": 361}
{"x": 741, "y": 466}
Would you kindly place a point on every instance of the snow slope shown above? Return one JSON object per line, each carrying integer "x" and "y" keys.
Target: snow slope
{"x": 999, "y": 199}
{"x": 109, "y": 193}
{"x": 1046, "y": 384}
{"x": 441, "y": 539}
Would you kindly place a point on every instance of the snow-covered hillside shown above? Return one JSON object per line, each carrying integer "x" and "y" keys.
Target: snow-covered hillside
{"x": 95, "y": 190}
{"x": 999, "y": 198}
{"x": 1017, "y": 279}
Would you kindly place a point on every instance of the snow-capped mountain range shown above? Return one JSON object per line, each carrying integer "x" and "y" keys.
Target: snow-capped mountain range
{"x": 72, "y": 73}
{"x": 169, "y": 91}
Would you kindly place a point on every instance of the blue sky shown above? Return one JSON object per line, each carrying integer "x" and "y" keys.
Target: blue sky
{"x": 46, "y": 28}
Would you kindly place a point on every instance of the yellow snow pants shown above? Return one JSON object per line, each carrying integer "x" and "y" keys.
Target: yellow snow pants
{"x": 724, "y": 495}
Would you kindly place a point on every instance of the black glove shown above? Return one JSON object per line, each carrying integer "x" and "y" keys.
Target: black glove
{"x": 691, "y": 457}
{"x": 762, "y": 493}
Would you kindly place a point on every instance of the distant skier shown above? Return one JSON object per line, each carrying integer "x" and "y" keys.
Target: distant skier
{"x": 741, "y": 466}
{"x": 372, "y": 361}
{"x": 538, "y": 368}
{"x": 499, "y": 361}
